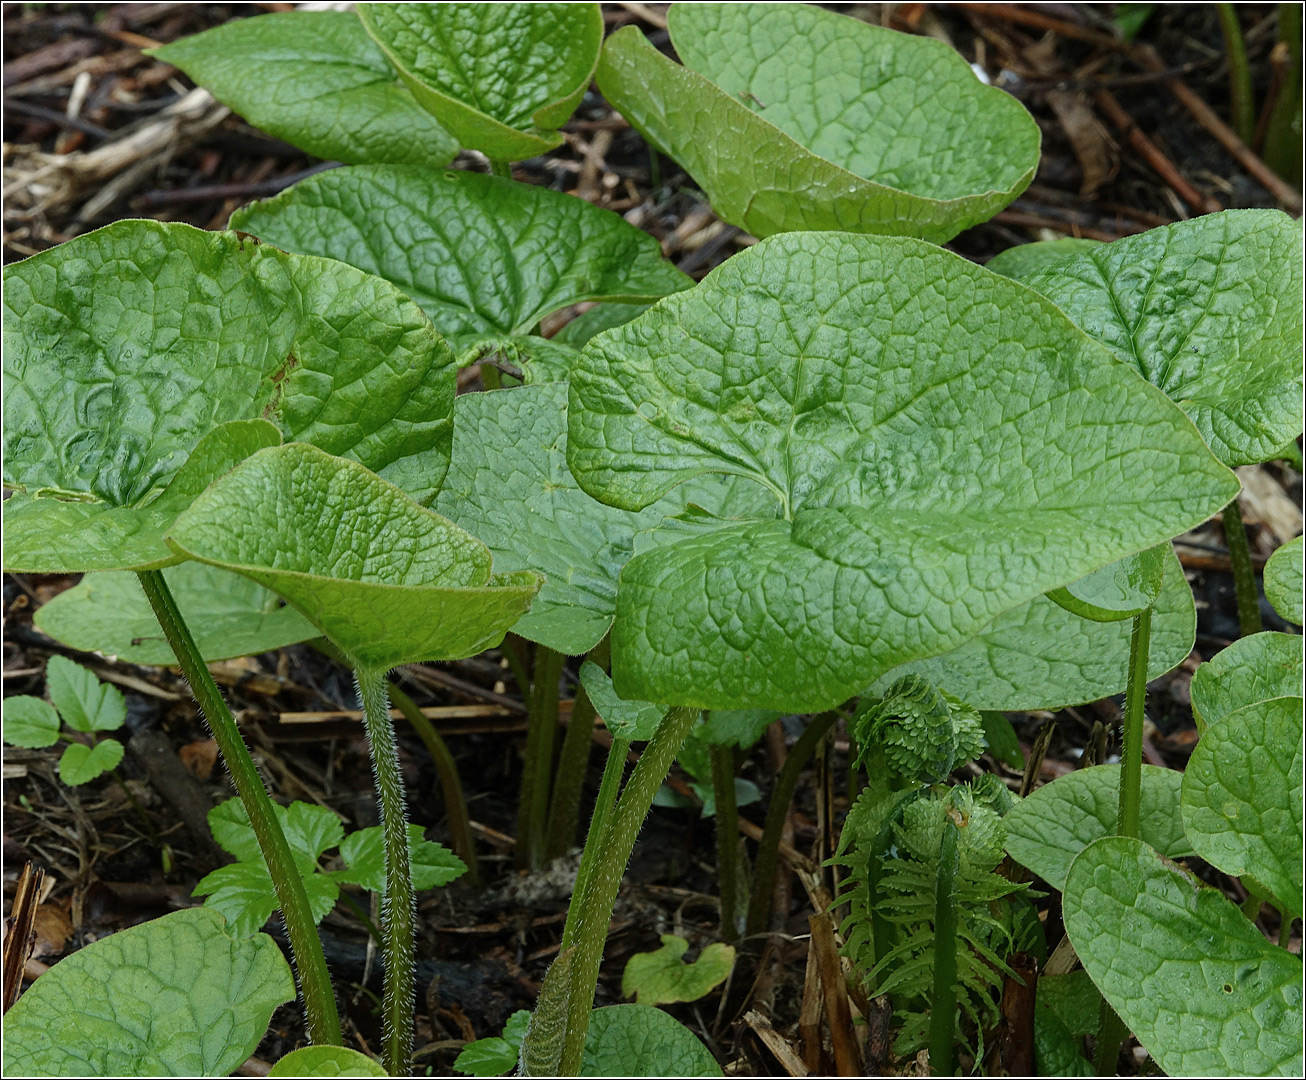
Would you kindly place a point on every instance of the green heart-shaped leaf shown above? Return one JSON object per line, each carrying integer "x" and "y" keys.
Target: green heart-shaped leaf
{"x": 229, "y": 615}
{"x": 1210, "y": 311}
{"x": 30, "y": 722}
{"x": 318, "y": 81}
{"x": 1284, "y": 581}
{"x": 1252, "y": 669}
{"x": 501, "y": 77}
{"x": 1117, "y": 591}
{"x": 794, "y": 118}
{"x": 85, "y": 703}
{"x": 637, "y": 1040}
{"x": 663, "y": 976}
{"x": 139, "y": 359}
{"x": 178, "y": 996}
{"x": 1201, "y": 987}
{"x": 1242, "y": 796}
{"x": 402, "y": 584}
{"x": 429, "y": 233}
{"x": 326, "y": 1061}
{"x": 1046, "y": 830}
{"x": 943, "y": 444}
{"x": 80, "y": 764}
{"x": 1040, "y": 656}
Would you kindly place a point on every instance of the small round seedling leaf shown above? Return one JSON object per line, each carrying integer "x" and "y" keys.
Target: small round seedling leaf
{"x": 30, "y": 722}
{"x": 1046, "y": 830}
{"x": 85, "y": 703}
{"x": 1284, "y": 581}
{"x": 80, "y": 764}
{"x": 1197, "y": 983}
{"x": 795, "y": 365}
{"x": 502, "y": 78}
{"x": 1118, "y": 590}
{"x": 177, "y": 996}
{"x": 636, "y": 1040}
{"x": 1242, "y": 796}
{"x": 1257, "y": 668}
{"x": 402, "y": 584}
{"x": 229, "y": 616}
{"x": 794, "y": 118}
{"x": 432, "y": 864}
{"x": 318, "y": 81}
{"x": 662, "y": 977}
{"x": 326, "y": 1061}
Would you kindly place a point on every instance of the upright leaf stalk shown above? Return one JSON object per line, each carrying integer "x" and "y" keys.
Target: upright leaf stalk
{"x": 1244, "y": 577}
{"x": 306, "y": 947}
{"x": 943, "y": 1002}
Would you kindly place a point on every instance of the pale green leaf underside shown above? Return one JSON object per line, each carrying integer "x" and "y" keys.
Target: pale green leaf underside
{"x": 633, "y": 720}
{"x": 127, "y": 347}
{"x": 401, "y": 585}
{"x": 636, "y": 1040}
{"x": 663, "y": 976}
{"x": 1117, "y": 591}
{"x": 484, "y": 257}
{"x": 947, "y": 444}
{"x": 326, "y": 1061}
{"x": 80, "y": 764}
{"x": 1201, "y": 987}
{"x": 1025, "y": 259}
{"x": 177, "y": 996}
{"x": 793, "y": 118}
{"x": 1210, "y": 311}
{"x": 228, "y": 614}
{"x": 1057, "y": 821}
{"x": 501, "y": 77}
{"x": 1252, "y": 669}
{"x": 30, "y": 722}
{"x": 1040, "y": 656}
{"x": 1242, "y": 796}
{"x": 318, "y": 81}
{"x": 1284, "y": 581}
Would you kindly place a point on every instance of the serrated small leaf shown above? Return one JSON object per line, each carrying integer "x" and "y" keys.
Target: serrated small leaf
{"x": 84, "y": 703}
{"x": 1040, "y": 656}
{"x": 1257, "y": 668}
{"x": 1047, "y": 829}
{"x": 487, "y": 1057}
{"x": 634, "y": 720}
{"x": 182, "y": 995}
{"x": 401, "y": 585}
{"x": 1197, "y": 983}
{"x": 243, "y": 892}
{"x": 663, "y": 976}
{"x": 311, "y": 829}
{"x": 1284, "y": 581}
{"x": 326, "y": 1061}
{"x": 318, "y": 81}
{"x": 636, "y": 1040}
{"x": 794, "y": 118}
{"x": 796, "y": 365}
{"x": 1208, "y": 310}
{"x": 1119, "y": 590}
{"x": 1025, "y": 259}
{"x": 363, "y": 851}
{"x": 1242, "y": 796}
{"x": 30, "y": 722}
{"x": 229, "y": 824}
{"x": 501, "y": 77}
{"x": 80, "y": 764}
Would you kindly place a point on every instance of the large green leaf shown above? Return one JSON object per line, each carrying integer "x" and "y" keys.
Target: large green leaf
{"x": 140, "y": 358}
{"x": 486, "y": 258}
{"x": 637, "y": 1040}
{"x": 1200, "y": 985}
{"x": 177, "y": 996}
{"x": 1210, "y": 311}
{"x": 1252, "y": 669}
{"x": 401, "y": 584}
{"x": 942, "y": 443}
{"x": 1284, "y": 581}
{"x": 1046, "y": 830}
{"x": 1119, "y": 590}
{"x": 794, "y": 118}
{"x": 502, "y": 77}
{"x": 229, "y": 616}
{"x": 1040, "y": 656}
{"x": 1021, "y": 261}
{"x": 1242, "y": 796}
{"x": 318, "y": 81}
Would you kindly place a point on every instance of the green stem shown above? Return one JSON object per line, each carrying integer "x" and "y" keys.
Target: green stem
{"x": 501, "y": 168}
{"x": 306, "y": 947}
{"x": 541, "y": 734}
{"x": 727, "y": 838}
{"x": 1244, "y": 577}
{"x": 943, "y": 1001}
{"x": 1282, "y": 151}
{"x": 1111, "y": 1032}
{"x": 1131, "y": 742}
{"x": 451, "y": 785}
{"x": 768, "y": 851}
{"x": 601, "y": 888}
{"x": 607, "y": 797}
{"x": 512, "y": 654}
{"x": 573, "y": 761}
{"x": 398, "y": 911}
{"x": 1240, "y": 76}
{"x": 372, "y": 930}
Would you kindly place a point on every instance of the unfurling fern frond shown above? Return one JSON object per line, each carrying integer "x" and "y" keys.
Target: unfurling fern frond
{"x": 921, "y": 732}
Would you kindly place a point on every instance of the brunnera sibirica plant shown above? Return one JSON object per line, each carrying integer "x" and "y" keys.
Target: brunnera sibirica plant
{"x": 849, "y": 475}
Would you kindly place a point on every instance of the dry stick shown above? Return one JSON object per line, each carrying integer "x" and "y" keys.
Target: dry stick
{"x": 847, "y": 1056}
{"x": 809, "y": 1017}
{"x": 1039, "y": 21}
{"x": 20, "y": 938}
{"x": 1014, "y": 1053}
